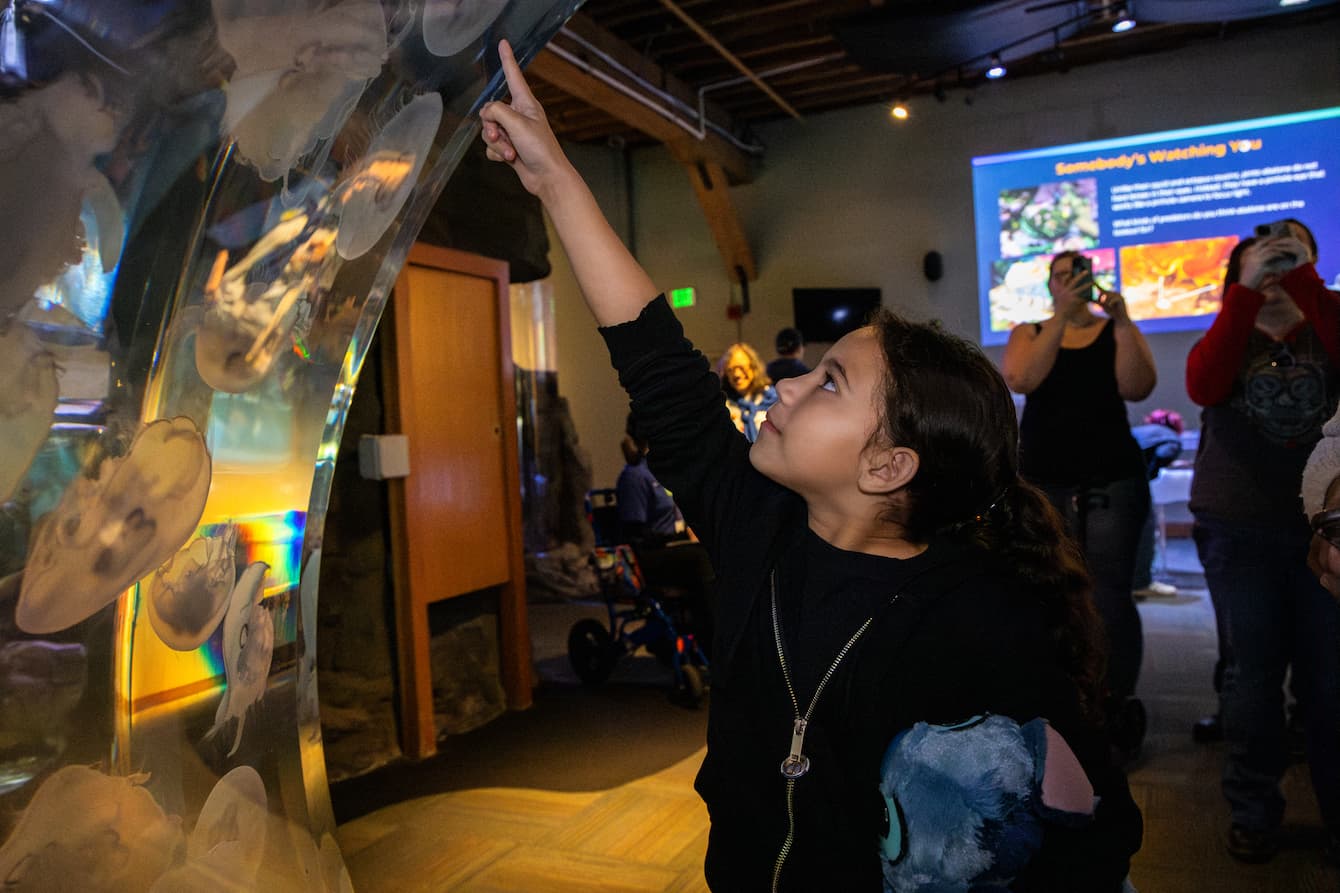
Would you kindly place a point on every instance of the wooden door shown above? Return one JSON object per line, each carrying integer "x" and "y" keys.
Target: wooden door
{"x": 456, "y": 520}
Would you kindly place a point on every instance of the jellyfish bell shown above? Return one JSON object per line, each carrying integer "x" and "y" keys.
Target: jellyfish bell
{"x": 110, "y": 530}
{"x": 29, "y": 391}
{"x": 227, "y": 846}
{"x": 84, "y": 830}
{"x": 49, "y": 139}
{"x": 300, "y": 71}
{"x": 188, "y": 595}
{"x": 248, "y": 647}
{"x": 382, "y": 181}
{"x": 450, "y": 26}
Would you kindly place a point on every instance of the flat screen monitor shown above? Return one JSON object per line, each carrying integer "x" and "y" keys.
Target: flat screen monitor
{"x": 826, "y": 314}
{"x": 1158, "y": 214}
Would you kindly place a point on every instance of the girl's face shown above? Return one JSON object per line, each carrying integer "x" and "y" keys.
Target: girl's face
{"x": 739, "y": 371}
{"x": 815, "y": 435}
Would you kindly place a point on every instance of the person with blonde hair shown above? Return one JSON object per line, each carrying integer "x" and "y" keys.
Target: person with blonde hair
{"x": 749, "y": 390}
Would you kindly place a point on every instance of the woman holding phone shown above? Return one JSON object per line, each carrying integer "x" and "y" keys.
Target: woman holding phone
{"x": 1268, "y": 373}
{"x": 1077, "y": 370}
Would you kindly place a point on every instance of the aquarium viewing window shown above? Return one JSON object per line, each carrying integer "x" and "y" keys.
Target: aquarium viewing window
{"x": 1157, "y": 213}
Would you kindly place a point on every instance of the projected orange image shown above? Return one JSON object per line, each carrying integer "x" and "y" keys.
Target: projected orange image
{"x": 1172, "y": 279}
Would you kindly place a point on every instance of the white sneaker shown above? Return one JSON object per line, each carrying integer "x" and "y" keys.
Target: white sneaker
{"x": 1156, "y": 589}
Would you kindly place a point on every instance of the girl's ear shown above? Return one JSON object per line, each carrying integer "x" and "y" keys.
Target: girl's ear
{"x": 887, "y": 469}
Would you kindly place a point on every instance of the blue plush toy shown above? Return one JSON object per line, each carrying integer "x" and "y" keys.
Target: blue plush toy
{"x": 967, "y": 803}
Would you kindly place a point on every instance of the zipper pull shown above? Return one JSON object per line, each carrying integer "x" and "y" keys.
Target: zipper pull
{"x": 796, "y": 764}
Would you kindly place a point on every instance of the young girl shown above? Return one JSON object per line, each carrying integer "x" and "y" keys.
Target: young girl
{"x": 879, "y": 563}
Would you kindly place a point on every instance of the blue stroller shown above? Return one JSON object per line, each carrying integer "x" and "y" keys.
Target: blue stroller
{"x": 657, "y": 597}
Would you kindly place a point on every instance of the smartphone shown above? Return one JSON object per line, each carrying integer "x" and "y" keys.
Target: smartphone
{"x": 1083, "y": 268}
{"x": 1327, "y": 526}
{"x": 1284, "y": 261}
{"x": 1273, "y": 230}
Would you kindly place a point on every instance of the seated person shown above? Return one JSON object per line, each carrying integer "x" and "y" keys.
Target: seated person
{"x": 647, "y": 513}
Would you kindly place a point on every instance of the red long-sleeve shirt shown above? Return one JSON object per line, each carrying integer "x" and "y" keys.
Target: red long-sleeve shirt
{"x": 1215, "y": 360}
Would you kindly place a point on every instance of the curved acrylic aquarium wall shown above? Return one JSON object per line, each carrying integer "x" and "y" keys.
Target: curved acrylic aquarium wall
{"x": 204, "y": 204}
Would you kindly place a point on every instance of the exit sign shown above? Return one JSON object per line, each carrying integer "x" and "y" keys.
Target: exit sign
{"x": 682, "y": 297}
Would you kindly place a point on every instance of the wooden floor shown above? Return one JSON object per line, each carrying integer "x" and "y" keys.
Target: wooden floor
{"x": 650, "y": 833}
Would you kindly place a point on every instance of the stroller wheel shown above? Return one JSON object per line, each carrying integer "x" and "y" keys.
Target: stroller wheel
{"x": 690, "y": 692}
{"x": 591, "y": 651}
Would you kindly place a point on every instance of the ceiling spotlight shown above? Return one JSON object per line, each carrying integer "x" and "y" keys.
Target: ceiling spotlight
{"x": 1292, "y": 2}
{"x": 1122, "y": 21}
{"x": 997, "y": 69}
{"x": 899, "y": 111}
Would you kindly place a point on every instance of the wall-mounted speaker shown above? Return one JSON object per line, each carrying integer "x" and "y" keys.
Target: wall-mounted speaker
{"x": 933, "y": 265}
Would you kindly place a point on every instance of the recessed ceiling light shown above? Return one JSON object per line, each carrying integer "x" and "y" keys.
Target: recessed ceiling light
{"x": 997, "y": 69}
{"x": 900, "y": 111}
{"x": 1125, "y": 23}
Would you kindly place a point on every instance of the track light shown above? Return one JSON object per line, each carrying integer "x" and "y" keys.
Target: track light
{"x": 997, "y": 69}
{"x": 1123, "y": 21}
{"x": 900, "y": 111}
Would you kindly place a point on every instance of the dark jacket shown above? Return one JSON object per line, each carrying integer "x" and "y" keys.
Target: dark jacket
{"x": 961, "y": 638}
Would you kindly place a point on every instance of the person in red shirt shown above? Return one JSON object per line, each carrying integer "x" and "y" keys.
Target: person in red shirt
{"x": 1267, "y": 373}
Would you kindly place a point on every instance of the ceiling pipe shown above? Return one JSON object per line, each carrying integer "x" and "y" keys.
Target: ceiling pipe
{"x": 641, "y": 97}
{"x": 730, "y": 57}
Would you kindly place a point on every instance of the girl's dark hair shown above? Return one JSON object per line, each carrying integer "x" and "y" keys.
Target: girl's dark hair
{"x": 944, "y": 399}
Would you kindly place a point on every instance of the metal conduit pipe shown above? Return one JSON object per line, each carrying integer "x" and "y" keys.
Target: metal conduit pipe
{"x": 698, "y": 131}
{"x": 780, "y": 69}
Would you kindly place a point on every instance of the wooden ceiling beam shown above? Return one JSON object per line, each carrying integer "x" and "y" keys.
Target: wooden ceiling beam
{"x": 711, "y": 187}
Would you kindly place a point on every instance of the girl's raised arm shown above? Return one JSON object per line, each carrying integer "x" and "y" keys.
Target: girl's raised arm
{"x": 615, "y": 286}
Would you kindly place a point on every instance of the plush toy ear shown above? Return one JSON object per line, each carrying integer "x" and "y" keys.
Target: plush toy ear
{"x": 1065, "y": 786}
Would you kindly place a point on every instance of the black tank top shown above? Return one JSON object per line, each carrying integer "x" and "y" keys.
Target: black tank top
{"x": 1074, "y": 429}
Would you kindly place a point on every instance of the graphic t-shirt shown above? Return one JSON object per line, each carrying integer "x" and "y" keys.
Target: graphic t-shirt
{"x": 1254, "y": 445}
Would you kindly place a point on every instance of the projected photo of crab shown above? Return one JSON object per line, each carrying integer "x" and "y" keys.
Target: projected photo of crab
{"x": 28, "y": 394}
{"x": 301, "y": 68}
{"x": 84, "y": 830}
{"x": 1019, "y": 287}
{"x": 248, "y": 647}
{"x": 1049, "y": 218}
{"x": 113, "y": 525}
{"x": 188, "y": 595}
{"x": 1175, "y": 279}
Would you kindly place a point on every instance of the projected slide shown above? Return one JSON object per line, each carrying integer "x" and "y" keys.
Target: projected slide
{"x": 1157, "y": 213}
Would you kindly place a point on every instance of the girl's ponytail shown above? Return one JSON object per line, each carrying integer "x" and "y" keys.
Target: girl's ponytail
{"x": 1028, "y": 533}
{"x": 945, "y": 399}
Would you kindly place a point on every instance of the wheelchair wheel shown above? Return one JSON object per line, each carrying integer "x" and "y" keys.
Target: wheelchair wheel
{"x": 690, "y": 693}
{"x": 591, "y": 651}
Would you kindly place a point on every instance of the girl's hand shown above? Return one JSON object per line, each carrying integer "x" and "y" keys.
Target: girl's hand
{"x": 1114, "y": 305}
{"x": 518, "y": 134}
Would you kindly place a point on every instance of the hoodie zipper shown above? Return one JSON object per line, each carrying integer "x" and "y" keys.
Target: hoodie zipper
{"x": 796, "y": 763}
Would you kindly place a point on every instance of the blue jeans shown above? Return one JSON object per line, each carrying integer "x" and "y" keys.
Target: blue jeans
{"x": 1274, "y": 613}
{"x": 1106, "y": 521}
